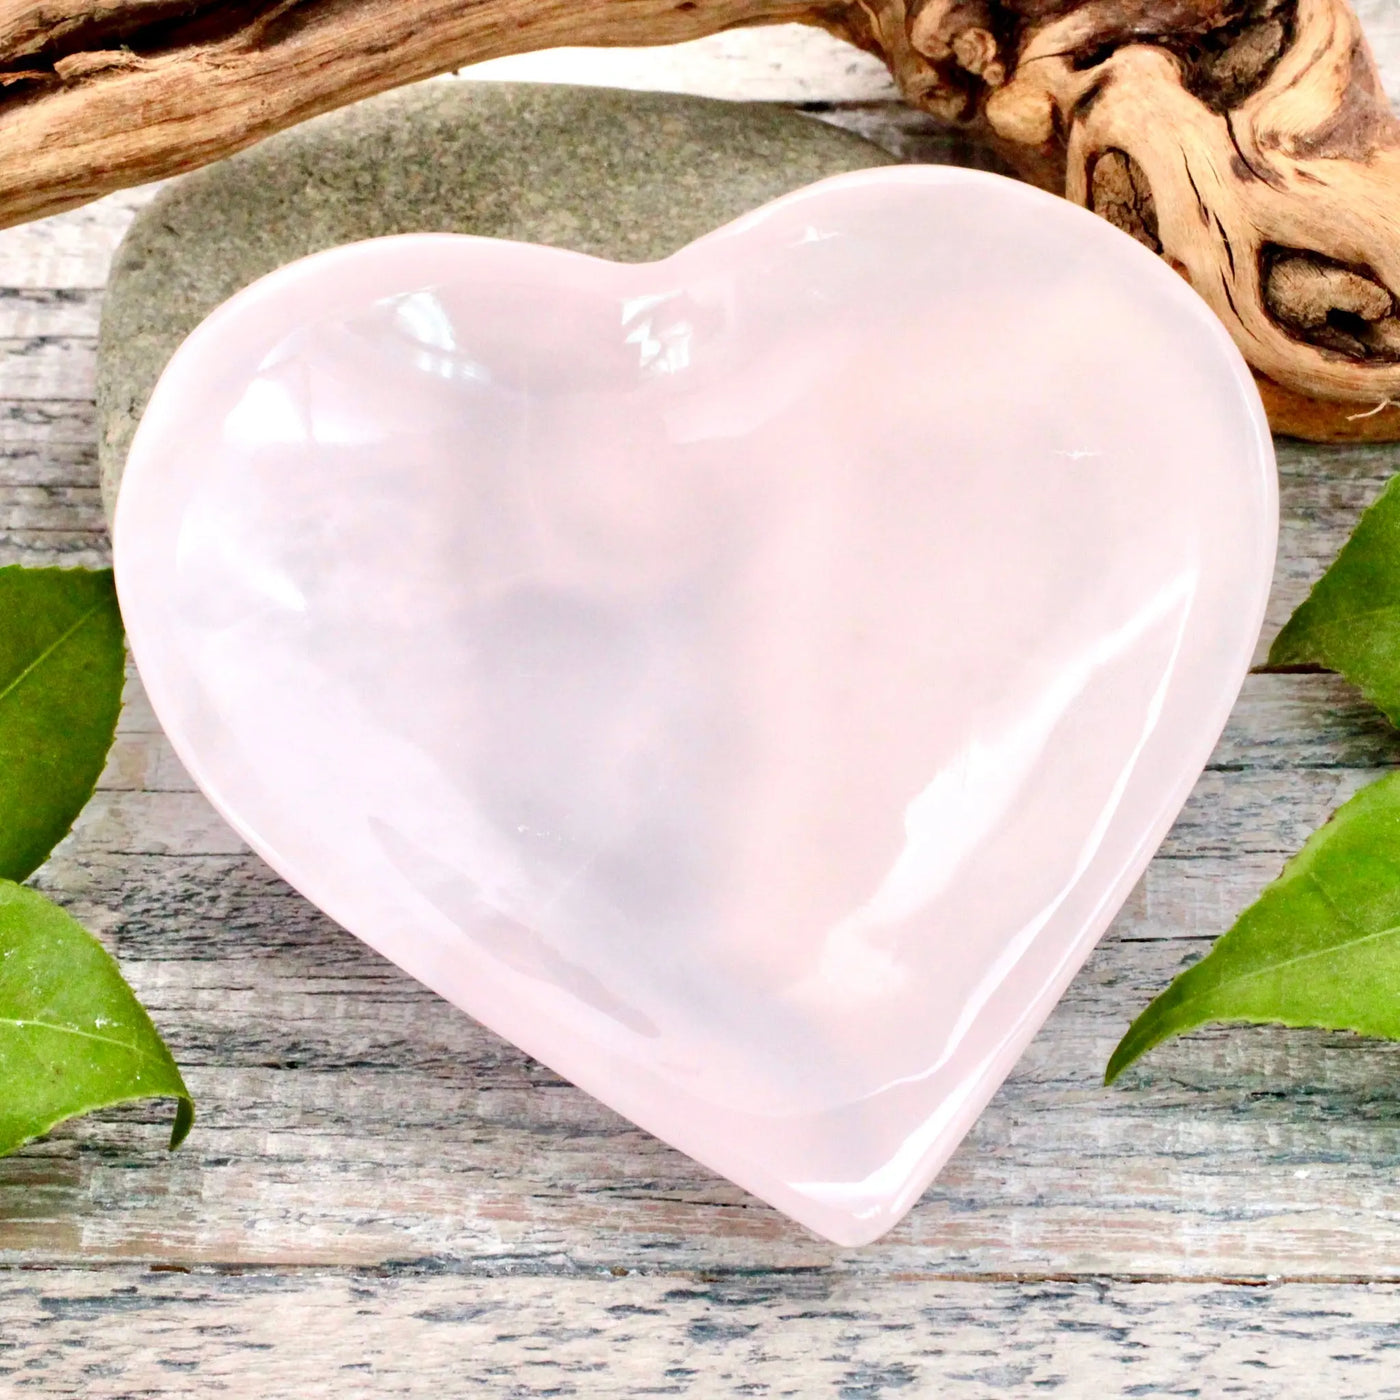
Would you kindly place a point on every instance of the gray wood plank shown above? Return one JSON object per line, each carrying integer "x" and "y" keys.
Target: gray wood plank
{"x": 127, "y": 1333}
{"x": 775, "y": 63}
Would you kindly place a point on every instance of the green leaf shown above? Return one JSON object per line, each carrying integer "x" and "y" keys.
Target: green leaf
{"x": 1350, "y": 622}
{"x": 73, "y": 1037}
{"x": 1320, "y": 947}
{"x": 61, "y": 668}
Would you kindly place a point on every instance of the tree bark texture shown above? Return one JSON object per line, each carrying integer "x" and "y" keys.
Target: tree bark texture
{"x": 1248, "y": 142}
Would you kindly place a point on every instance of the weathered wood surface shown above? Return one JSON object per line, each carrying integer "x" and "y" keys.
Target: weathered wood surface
{"x": 801, "y": 1336}
{"x": 381, "y": 1198}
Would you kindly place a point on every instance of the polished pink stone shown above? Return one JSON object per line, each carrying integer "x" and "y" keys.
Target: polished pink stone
{"x": 750, "y": 682}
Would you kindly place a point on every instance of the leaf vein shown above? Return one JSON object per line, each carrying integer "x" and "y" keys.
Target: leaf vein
{"x": 24, "y": 1024}
{"x": 1308, "y": 957}
{"x": 48, "y": 651}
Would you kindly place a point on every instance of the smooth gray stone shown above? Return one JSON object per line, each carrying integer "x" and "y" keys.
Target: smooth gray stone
{"x": 623, "y": 175}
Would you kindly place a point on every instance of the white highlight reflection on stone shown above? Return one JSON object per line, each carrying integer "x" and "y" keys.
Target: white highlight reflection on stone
{"x": 750, "y": 682}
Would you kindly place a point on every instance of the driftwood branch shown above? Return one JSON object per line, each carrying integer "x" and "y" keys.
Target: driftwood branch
{"x": 1246, "y": 141}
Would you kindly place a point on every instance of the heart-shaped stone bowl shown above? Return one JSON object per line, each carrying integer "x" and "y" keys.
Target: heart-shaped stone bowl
{"x": 749, "y": 682}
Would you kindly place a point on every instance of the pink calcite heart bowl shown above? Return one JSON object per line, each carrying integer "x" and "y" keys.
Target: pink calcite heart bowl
{"x": 749, "y": 682}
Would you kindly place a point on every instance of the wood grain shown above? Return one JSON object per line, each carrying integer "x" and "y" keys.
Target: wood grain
{"x": 797, "y": 1335}
{"x": 382, "y": 1198}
